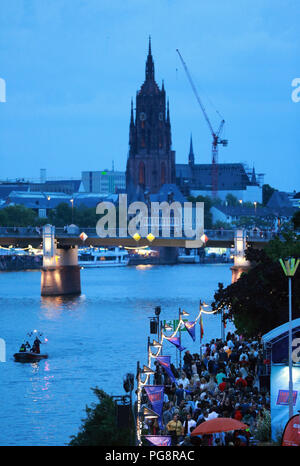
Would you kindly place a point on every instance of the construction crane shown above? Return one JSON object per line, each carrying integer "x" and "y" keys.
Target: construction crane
{"x": 216, "y": 140}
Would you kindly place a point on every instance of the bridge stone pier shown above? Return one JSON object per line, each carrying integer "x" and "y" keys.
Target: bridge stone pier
{"x": 60, "y": 271}
{"x": 241, "y": 265}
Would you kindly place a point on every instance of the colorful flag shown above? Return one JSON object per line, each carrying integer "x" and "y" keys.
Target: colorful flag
{"x": 201, "y": 326}
{"x": 176, "y": 342}
{"x": 165, "y": 362}
{"x": 190, "y": 326}
{"x": 156, "y": 397}
{"x": 159, "y": 440}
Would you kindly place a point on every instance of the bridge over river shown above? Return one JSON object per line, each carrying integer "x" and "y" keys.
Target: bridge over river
{"x": 61, "y": 273}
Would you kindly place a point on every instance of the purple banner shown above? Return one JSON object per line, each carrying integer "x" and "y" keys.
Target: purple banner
{"x": 159, "y": 440}
{"x": 176, "y": 342}
{"x": 165, "y": 362}
{"x": 156, "y": 397}
{"x": 190, "y": 326}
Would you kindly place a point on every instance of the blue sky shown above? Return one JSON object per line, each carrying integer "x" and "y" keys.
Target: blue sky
{"x": 72, "y": 66}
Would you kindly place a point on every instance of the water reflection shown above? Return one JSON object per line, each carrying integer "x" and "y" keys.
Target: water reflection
{"x": 54, "y": 306}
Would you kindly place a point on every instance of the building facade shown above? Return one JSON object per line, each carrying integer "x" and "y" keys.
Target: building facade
{"x": 106, "y": 182}
{"x": 151, "y": 160}
{"x": 195, "y": 179}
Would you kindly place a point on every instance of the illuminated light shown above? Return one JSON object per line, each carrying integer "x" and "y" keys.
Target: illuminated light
{"x": 204, "y": 238}
{"x": 149, "y": 414}
{"x": 135, "y": 248}
{"x": 136, "y": 236}
{"x": 148, "y": 370}
{"x": 150, "y": 237}
{"x": 168, "y": 327}
{"x": 156, "y": 344}
{"x": 83, "y": 236}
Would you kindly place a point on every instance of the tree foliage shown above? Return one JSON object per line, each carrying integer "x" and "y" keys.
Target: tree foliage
{"x": 100, "y": 426}
{"x": 258, "y": 301}
{"x": 296, "y": 220}
{"x": 19, "y": 215}
{"x": 267, "y": 192}
{"x": 208, "y": 203}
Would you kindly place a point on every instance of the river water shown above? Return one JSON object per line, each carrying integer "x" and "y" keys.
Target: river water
{"x": 93, "y": 340}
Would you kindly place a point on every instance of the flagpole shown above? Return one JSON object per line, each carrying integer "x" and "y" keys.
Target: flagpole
{"x": 138, "y": 421}
{"x": 180, "y": 340}
{"x": 200, "y": 330}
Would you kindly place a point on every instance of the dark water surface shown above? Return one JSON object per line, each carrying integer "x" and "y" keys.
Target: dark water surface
{"x": 93, "y": 340}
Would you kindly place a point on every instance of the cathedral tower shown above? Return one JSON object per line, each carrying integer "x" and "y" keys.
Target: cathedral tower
{"x": 151, "y": 161}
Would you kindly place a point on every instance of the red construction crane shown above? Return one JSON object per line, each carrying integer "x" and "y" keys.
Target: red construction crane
{"x": 215, "y": 135}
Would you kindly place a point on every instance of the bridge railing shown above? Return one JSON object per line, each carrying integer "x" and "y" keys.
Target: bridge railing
{"x": 21, "y": 231}
{"x": 221, "y": 235}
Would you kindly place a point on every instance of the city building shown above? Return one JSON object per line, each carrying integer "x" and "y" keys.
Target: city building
{"x": 43, "y": 202}
{"x": 233, "y": 178}
{"x": 104, "y": 182}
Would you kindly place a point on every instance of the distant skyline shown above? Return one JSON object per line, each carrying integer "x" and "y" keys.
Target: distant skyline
{"x": 71, "y": 68}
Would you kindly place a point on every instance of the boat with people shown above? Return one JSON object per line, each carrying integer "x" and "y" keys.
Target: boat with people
{"x": 29, "y": 356}
{"x": 31, "y": 353}
{"x": 102, "y": 257}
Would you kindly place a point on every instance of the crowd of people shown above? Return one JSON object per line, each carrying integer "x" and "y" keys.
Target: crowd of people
{"x": 222, "y": 381}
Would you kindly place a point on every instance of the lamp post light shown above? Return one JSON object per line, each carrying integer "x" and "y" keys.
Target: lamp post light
{"x": 157, "y": 313}
{"x": 72, "y": 202}
{"x": 289, "y": 267}
{"x": 181, "y": 314}
{"x": 148, "y": 371}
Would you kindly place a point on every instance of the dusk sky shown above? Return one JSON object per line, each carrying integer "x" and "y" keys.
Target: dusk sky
{"x": 71, "y": 68}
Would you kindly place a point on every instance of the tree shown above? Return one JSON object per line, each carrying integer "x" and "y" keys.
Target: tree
{"x": 258, "y": 301}
{"x": 296, "y": 220}
{"x": 100, "y": 426}
{"x": 267, "y": 192}
{"x": 231, "y": 200}
{"x": 18, "y": 216}
{"x": 207, "y": 206}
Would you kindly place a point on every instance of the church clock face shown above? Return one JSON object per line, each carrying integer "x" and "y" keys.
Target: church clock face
{"x": 160, "y": 116}
{"x": 142, "y": 116}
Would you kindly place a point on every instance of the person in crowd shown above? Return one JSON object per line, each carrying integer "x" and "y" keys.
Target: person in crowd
{"x": 175, "y": 429}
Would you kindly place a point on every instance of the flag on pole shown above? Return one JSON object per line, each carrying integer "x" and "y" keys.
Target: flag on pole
{"x": 156, "y": 397}
{"x": 176, "y": 342}
{"x": 201, "y": 327}
{"x": 190, "y": 326}
{"x": 165, "y": 361}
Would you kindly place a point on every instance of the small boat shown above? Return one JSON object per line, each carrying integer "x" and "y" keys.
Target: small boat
{"x": 29, "y": 356}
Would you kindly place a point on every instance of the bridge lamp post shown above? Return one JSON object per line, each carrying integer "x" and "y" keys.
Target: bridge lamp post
{"x": 289, "y": 267}
{"x": 72, "y": 202}
{"x": 48, "y": 199}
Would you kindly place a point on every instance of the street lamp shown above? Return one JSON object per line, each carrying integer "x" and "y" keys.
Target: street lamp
{"x": 181, "y": 313}
{"x": 157, "y": 313}
{"x": 289, "y": 267}
{"x": 72, "y": 202}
